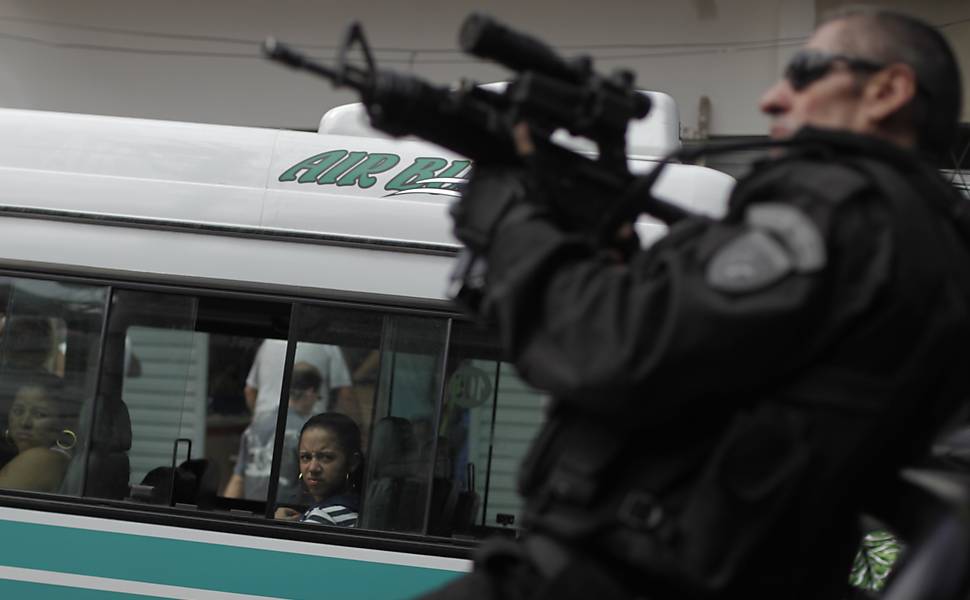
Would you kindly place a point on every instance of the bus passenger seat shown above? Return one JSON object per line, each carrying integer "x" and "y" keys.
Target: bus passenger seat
{"x": 207, "y": 481}
{"x": 393, "y": 499}
{"x": 196, "y": 484}
{"x": 105, "y": 455}
{"x": 441, "y": 515}
{"x": 444, "y": 490}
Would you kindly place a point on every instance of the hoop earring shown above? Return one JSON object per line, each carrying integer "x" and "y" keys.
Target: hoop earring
{"x": 71, "y": 444}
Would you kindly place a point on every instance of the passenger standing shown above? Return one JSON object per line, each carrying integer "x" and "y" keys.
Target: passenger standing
{"x": 251, "y": 476}
{"x": 265, "y": 377}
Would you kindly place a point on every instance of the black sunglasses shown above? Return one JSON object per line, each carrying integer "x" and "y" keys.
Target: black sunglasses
{"x": 808, "y": 66}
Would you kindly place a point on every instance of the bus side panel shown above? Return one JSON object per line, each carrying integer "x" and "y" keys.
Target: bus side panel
{"x": 151, "y": 560}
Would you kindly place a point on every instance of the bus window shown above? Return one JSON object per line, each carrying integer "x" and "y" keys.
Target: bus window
{"x": 319, "y": 378}
{"x": 328, "y": 375}
{"x": 519, "y": 413}
{"x": 49, "y": 344}
{"x": 150, "y": 389}
{"x": 186, "y": 398}
{"x": 190, "y": 393}
{"x": 403, "y": 440}
{"x": 489, "y": 416}
{"x": 385, "y": 375}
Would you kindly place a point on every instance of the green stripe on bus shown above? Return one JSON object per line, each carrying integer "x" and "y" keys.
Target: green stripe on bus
{"x": 209, "y": 566}
{"x": 15, "y": 590}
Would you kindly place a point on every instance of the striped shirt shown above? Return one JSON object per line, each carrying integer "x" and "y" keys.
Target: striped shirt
{"x": 340, "y": 511}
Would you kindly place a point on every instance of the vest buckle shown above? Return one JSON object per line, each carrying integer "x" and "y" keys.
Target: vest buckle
{"x": 640, "y": 510}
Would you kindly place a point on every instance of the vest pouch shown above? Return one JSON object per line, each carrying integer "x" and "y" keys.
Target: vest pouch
{"x": 744, "y": 491}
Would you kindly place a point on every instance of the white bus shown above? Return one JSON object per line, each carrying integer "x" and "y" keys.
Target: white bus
{"x": 142, "y": 266}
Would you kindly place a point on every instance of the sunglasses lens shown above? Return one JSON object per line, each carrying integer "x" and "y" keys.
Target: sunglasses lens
{"x": 806, "y": 68}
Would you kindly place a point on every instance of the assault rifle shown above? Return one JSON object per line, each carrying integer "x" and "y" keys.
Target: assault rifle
{"x": 594, "y": 196}
{"x": 549, "y": 93}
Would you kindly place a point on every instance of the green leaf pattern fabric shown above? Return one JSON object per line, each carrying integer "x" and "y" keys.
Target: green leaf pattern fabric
{"x": 877, "y": 554}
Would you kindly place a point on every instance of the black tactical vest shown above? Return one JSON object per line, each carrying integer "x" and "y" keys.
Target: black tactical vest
{"x": 761, "y": 493}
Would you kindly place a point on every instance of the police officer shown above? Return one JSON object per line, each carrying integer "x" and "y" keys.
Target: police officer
{"x": 726, "y": 399}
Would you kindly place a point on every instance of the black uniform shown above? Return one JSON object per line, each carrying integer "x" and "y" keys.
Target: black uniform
{"x": 727, "y": 399}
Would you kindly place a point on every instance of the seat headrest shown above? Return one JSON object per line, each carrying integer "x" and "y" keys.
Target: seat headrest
{"x": 393, "y": 448}
{"x": 113, "y": 427}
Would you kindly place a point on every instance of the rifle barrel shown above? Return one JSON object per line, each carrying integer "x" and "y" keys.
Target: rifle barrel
{"x": 282, "y": 53}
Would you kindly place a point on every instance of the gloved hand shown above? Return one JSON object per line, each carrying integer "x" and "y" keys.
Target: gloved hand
{"x": 623, "y": 245}
{"x": 491, "y": 193}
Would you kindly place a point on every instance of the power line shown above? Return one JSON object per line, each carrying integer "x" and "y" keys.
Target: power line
{"x": 459, "y": 60}
{"x": 649, "y": 50}
{"x": 123, "y": 31}
{"x": 952, "y": 23}
{"x": 124, "y": 49}
{"x": 246, "y": 41}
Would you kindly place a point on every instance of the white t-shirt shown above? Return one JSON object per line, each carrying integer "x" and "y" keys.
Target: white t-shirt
{"x": 266, "y": 374}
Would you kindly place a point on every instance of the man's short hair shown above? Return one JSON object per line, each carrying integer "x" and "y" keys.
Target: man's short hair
{"x": 305, "y": 377}
{"x": 893, "y": 37}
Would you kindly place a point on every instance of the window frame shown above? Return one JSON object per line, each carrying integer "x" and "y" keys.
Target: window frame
{"x": 230, "y": 522}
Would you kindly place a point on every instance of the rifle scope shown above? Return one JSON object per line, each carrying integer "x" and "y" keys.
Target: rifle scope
{"x": 485, "y": 38}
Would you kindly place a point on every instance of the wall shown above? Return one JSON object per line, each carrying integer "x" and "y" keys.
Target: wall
{"x": 199, "y": 61}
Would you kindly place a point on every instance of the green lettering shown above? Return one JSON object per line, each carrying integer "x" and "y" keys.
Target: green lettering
{"x": 422, "y": 168}
{"x": 313, "y": 166}
{"x": 339, "y": 169}
{"x": 363, "y": 173}
{"x": 453, "y": 170}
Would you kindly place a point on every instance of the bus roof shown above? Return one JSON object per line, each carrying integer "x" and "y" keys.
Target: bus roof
{"x": 364, "y": 191}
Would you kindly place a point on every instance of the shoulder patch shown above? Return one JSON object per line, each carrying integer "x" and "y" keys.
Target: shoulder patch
{"x": 752, "y": 261}
{"x": 794, "y": 229}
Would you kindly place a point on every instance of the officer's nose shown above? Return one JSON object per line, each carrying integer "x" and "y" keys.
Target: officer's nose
{"x": 777, "y": 99}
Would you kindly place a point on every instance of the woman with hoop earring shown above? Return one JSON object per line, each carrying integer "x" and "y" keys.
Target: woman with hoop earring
{"x": 331, "y": 467}
{"x": 40, "y": 425}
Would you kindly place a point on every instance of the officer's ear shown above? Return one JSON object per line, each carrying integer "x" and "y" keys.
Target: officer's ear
{"x": 887, "y": 93}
